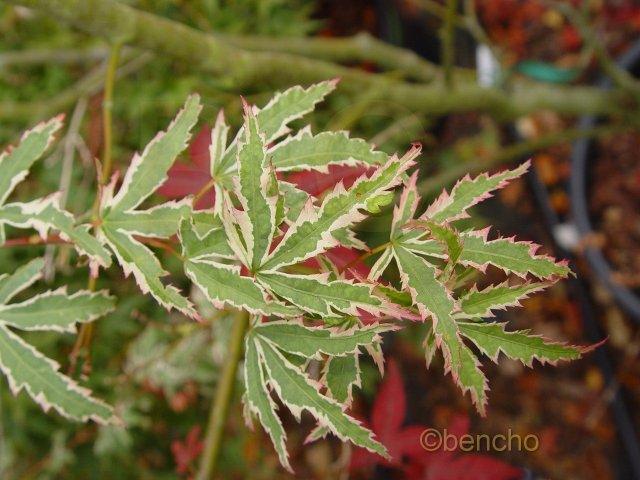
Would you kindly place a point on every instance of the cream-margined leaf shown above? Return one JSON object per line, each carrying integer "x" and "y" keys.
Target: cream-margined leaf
{"x": 25, "y": 367}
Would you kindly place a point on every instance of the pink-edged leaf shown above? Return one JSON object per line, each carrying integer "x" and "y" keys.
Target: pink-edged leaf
{"x": 493, "y": 338}
{"x": 436, "y": 300}
{"x": 509, "y": 255}
{"x": 311, "y": 233}
{"x": 406, "y": 208}
{"x": 469, "y": 192}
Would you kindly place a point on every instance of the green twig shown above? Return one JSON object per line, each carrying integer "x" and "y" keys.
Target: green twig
{"x": 52, "y": 55}
{"x": 243, "y": 70}
{"x": 208, "y": 186}
{"x": 447, "y": 42}
{"x": 361, "y": 47}
{"x": 107, "y": 109}
{"x": 88, "y": 85}
{"x": 435, "y": 9}
{"x": 475, "y": 29}
{"x": 220, "y": 406}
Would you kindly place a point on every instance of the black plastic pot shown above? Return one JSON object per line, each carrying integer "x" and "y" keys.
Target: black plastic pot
{"x": 583, "y": 154}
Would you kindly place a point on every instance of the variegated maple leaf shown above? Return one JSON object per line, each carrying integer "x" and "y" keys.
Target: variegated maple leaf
{"x": 433, "y": 257}
{"x": 45, "y": 213}
{"x": 25, "y": 367}
{"x": 122, "y": 222}
{"x": 250, "y": 252}
{"x": 246, "y": 228}
{"x": 252, "y": 216}
{"x": 275, "y": 356}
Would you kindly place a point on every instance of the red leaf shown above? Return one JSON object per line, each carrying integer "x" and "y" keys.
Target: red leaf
{"x": 403, "y": 443}
{"x": 187, "y": 452}
{"x": 387, "y": 415}
{"x": 570, "y": 38}
{"x": 472, "y": 466}
{"x": 343, "y": 256}
{"x": 315, "y": 183}
{"x": 445, "y": 464}
{"x": 388, "y": 410}
{"x": 189, "y": 178}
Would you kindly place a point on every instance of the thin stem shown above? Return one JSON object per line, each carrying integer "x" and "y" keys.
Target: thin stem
{"x": 434, "y": 8}
{"x": 165, "y": 246}
{"x": 107, "y": 109}
{"x": 210, "y": 184}
{"x": 34, "y": 240}
{"x": 85, "y": 335}
{"x": 220, "y": 407}
{"x": 361, "y": 47}
{"x": 447, "y": 40}
{"x": 54, "y": 55}
{"x": 364, "y": 256}
{"x": 475, "y": 29}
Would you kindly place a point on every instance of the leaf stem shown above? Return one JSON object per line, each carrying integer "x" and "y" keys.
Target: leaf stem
{"x": 364, "y": 256}
{"x": 165, "y": 246}
{"x": 210, "y": 184}
{"x": 34, "y": 240}
{"x": 220, "y": 406}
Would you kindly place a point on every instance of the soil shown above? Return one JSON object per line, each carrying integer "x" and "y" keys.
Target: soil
{"x": 615, "y": 202}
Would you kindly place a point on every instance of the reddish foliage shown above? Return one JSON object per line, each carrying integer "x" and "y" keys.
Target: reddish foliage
{"x": 519, "y": 25}
{"x": 315, "y": 183}
{"x": 403, "y": 443}
{"x": 186, "y": 453}
{"x": 189, "y": 178}
{"x": 627, "y": 13}
{"x": 387, "y": 416}
{"x": 449, "y": 464}
{"x": 571, "y": 38}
